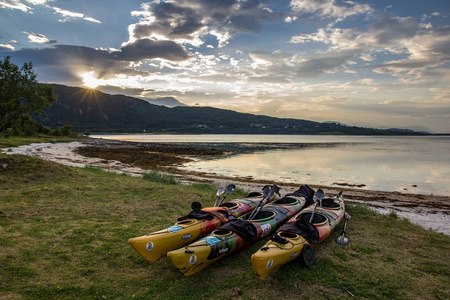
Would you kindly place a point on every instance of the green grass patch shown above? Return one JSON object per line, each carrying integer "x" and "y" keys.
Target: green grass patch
{"x": 64, "y": 233}
{"x": 159, "y": 177}
{"x": 15, "y": 141}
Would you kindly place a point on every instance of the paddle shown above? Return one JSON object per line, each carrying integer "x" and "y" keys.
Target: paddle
{"x": 219, "y": 193}
{"x": 319, "y": 197}
{"x": 268, "y": 192}
{"x": 342, "y": 240}
{"x": 229, "y": 189}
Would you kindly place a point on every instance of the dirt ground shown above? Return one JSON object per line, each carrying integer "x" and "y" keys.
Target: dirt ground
{"x": 429, "y": 211}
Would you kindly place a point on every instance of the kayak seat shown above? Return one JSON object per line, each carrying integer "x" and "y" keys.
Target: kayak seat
{"x": 300, "y": 227}
{"x": 243, "y": 228}
{"x": 306, "y": 192}
{"x": 330, "y": 203}
{"x": 286, "y": 200}
{"x": 317, "y": 219}
{"x": 197, "y": 213}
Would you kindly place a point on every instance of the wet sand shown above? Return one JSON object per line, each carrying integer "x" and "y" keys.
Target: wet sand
{"x": 429, "y": 211}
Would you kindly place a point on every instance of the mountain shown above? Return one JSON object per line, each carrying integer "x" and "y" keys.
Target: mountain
{"x": 417, "y": 128}
{"x": 165, "y": 101}
{"x": 94, "y": 111}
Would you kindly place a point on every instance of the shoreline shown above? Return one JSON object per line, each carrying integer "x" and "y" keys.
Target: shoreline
{"x": 428, "y": 211}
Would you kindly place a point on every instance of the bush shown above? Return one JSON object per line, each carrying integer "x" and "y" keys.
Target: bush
{"x": 63, "y": 131}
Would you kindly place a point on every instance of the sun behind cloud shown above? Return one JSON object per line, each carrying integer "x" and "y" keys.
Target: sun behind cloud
{"x": 90, "y": 81}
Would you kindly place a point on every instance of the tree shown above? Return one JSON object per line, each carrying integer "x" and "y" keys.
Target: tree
{"x": 21, "y": 97}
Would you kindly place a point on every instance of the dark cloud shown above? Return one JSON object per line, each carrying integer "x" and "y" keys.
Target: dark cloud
{"x": 325, "y": 63}
{"x": 280, "y": 66}
{"x": 243, "y": 24}
{"x": 65, "y": 61}
{"x": 171, "y": 21}
{"x": 390, "y": 29}
{"x": 64, "y": 54}
{"x": 149, "y": 49}
{"x": 187, "y": 20}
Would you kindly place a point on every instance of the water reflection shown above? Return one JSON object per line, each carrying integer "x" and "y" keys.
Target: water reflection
{"x": 405, "y": 164}
{"x": 377, "y": 167}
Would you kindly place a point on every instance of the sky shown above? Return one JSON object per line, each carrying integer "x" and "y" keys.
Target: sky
{"x": 373, "y": 63}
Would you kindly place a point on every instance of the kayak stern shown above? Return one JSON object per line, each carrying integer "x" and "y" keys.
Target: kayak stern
{"x": 274, "y": 254}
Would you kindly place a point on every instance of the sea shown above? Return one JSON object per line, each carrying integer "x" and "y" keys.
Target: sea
{"x": 407, "y": 164}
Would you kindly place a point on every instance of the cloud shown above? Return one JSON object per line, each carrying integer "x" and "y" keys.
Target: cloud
{"x": 328, "y": 62}
{"x": 418, "y": 45}
{"x": 66, "y": 62}
{"x": 7, "y": 47}
{"x": 328, "y": 8}
{"x": 67, "y": 15}
{"x": 186, "y": 21}
{"x": 70, "y": 15}
{"x": 290, "y": 19}
{"x": 37, "y": 2}
{"x": 15, "y": 4}
{"x": 149, "y": 49}
{"x": 38, "y": 38}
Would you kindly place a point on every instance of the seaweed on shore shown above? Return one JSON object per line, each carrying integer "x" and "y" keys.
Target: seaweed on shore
{"x": 147, "y": 156}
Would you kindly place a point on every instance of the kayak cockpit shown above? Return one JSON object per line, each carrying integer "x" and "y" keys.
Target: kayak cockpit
{"x": 286, "y": 201}
{"x": 263, "y": 215}
{"x": 318, "y": 220}
{"x": 330, "y": 203}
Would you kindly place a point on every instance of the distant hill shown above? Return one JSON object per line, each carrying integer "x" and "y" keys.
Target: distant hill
{"x": 165, "y": 101}
{"x": 94, "y": 111}
{"x": 420, "y": 129}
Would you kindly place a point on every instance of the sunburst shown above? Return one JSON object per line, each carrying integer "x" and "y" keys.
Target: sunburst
{"x": 90, "y": 81}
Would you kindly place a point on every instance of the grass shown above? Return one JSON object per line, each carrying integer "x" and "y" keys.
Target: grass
{"x": 159, "y": 177}
{"x": 64, "y": 232}
{"x": 14, "y": 141}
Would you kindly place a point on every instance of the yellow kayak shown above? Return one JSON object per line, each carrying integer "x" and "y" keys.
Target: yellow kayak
{"x": 155, "y": 246}
{"x": 296, "y": 238}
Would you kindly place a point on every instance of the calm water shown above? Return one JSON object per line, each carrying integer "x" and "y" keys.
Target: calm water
{"x": 405, "y": 164}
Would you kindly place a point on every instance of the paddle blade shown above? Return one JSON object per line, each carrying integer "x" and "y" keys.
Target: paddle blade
{"x": 270, "y": 190}
{"x": 347, "y": 216}
{"x": 320, "y": 194}
{"x": 220, "y": 191}
{"x": 230, "y": 188}
{"x": 266, "y": 189}
{"x": 342, "y": 241}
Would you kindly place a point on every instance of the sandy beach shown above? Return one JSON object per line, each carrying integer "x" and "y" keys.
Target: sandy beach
{"x": 428, "y": 211}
